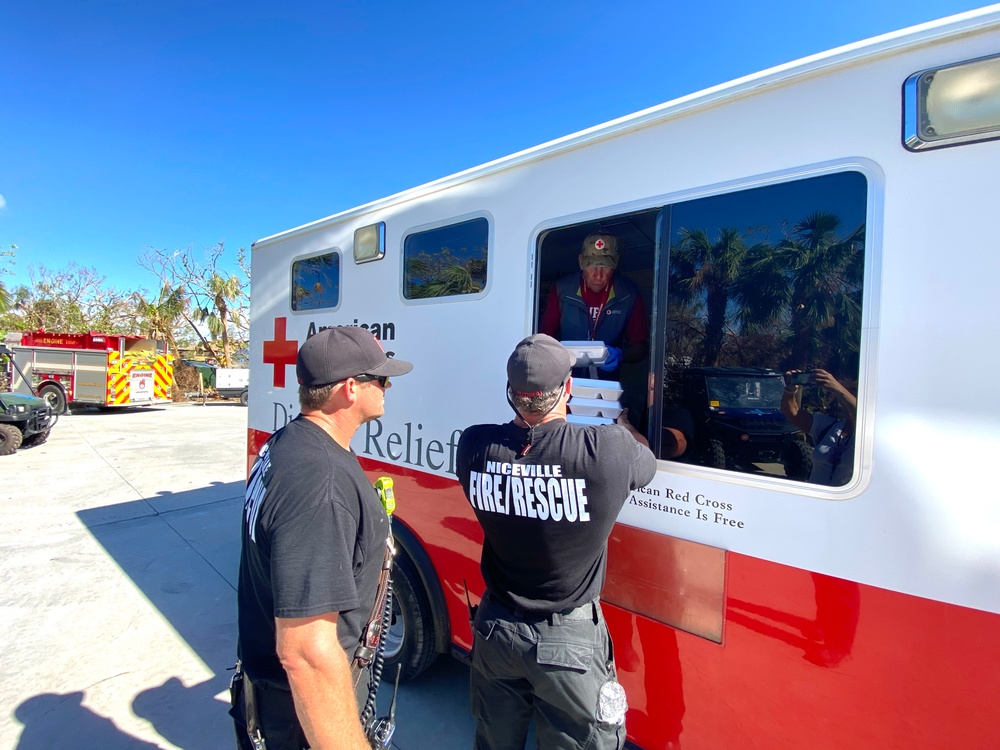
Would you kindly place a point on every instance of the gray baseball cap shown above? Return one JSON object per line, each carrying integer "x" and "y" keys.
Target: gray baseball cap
{"x": 342, "y": 352}
{"x": 539, "y": 364}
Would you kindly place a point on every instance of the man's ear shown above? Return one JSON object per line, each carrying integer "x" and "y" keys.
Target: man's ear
{"x": 343, "y": 394}
{"x": 579, "y": 260}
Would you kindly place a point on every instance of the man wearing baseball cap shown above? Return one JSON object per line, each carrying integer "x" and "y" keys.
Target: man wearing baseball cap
{"x": 599, "y": 305}
{"x": 313, "y": 540}
{"x": 547, "y": 494}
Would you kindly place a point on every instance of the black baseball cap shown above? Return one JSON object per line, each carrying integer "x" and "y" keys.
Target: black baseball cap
{"x": 342, "y": 352}
{"x": 539, "y": 364}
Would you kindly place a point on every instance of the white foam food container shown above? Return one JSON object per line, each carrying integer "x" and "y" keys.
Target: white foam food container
{"x": 594, "y": 407}
{"x": 609, "y": 390}
{"x": 587, "y": 352}
{"x": 574, "y": 419}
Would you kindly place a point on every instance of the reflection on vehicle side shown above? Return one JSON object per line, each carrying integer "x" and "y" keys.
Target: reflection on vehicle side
{"x": 738, "y": 422}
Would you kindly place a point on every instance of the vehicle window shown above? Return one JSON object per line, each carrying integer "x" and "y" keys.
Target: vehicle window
{"x": 446, "y": 261}
{"x": 743, "y": 393}
{"x": 316, "y": 282}
{"x": 558, "y": 273}
{"x": 762, "y": 337}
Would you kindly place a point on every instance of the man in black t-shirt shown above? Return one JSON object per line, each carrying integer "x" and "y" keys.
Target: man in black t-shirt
{"x": 547, "y": 494}
{"x": 313, "y": 540}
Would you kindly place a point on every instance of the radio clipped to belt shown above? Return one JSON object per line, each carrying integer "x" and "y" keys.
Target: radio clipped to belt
{"x": 371, "y": 649}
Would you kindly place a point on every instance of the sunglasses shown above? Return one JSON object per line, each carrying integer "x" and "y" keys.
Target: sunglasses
{"x": 383, "y": 380}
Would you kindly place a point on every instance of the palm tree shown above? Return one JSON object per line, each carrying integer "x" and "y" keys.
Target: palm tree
{"x": 223, "y": 292}
{"x": 6, "y": 299}
{"x": 707, "y": 270}
{"x": 159, "y": 317}
{"x": 445, "y": 274}
{"x": 825, "y": 274}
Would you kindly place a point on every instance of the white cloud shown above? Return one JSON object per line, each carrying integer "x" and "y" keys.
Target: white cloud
{"x": 3, "y": 202}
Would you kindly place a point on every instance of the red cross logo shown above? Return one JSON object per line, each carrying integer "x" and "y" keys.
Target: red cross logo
{"x": 599, "y": 244}
{"x": 280, "y": 352}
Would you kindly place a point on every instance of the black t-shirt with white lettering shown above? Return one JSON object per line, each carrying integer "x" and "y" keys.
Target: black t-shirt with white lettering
{"x": 313, "y": 536}
{"x": 547, "y": 515}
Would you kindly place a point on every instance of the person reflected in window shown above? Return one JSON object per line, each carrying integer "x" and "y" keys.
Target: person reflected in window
{"x": 599, "y": 304}
{"x": 832, "y": 437}
{"x": 678, "y": 432}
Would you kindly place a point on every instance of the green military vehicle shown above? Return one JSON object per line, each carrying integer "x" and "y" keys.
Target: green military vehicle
{"x": 24, "y": 419}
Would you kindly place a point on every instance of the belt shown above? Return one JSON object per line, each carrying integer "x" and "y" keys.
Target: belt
{"x": 589, "y": 611}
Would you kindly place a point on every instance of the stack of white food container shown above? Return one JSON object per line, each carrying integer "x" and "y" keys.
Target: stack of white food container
{"x": 592, "y": 401}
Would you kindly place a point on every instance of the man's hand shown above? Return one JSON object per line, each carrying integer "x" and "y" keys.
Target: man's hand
{"x": 848, "y": 399}
{"x": 613, "y": 359}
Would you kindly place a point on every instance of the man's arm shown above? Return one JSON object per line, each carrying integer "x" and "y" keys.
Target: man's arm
{"x": 624, "y": 421}
{"x": 320, "y": 677}
{"x": 847, "y": 399}
{"x": 791, "y": 407}
{"x": 636, "y": 332}
{"x": 678, "y": 432}
{"x": 549, "y": 321}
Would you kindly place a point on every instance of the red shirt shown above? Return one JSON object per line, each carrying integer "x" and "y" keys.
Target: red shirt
{"x": 636, "y": 327}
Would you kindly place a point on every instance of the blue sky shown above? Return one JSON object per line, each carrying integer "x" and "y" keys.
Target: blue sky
{"x": 129, "y": 125}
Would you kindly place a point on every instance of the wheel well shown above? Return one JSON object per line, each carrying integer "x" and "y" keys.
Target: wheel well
{"x": 56, "y": 383}
{"x": 416, "y": 554}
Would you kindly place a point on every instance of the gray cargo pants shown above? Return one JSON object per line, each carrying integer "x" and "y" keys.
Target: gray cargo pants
{"x": 550, "y": 667}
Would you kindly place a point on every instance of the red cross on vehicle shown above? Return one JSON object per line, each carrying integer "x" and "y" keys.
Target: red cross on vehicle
{"x": 280, "y": 351}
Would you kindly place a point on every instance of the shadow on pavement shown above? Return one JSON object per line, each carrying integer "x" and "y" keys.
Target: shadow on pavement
{"x": 181, "y": 550}
{"x": 53, "y": 720}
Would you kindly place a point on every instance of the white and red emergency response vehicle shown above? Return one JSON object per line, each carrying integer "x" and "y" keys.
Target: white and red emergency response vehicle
{"x": 836, "y": 214}
{"x": 92, "y": 368}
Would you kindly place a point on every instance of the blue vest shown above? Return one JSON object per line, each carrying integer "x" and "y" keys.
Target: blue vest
{"x": 574, "y": 317}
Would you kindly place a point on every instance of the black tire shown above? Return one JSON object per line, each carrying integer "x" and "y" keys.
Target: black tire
{"x": 245, "y": 398}
{"x": 37, "y": 439}
{"x": 715, "y": 455}
{"x": 797, "y": 459}
{"x": 55, "y": 396}
{"x": 410, "y": 640}
{"x": 10, "y": 438}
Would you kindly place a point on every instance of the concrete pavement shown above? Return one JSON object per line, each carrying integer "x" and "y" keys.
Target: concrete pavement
{"x": 118, "y": 602}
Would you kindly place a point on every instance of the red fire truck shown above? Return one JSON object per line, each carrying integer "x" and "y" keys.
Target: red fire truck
{"x": 92, "y": 368}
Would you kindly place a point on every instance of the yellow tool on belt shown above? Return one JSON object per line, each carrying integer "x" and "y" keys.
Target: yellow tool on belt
{"x": 383, "y": 485}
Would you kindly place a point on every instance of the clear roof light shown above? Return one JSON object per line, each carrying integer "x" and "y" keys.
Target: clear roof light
{"x": 369, "y": 242}
{"x": 953, "y": 105}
